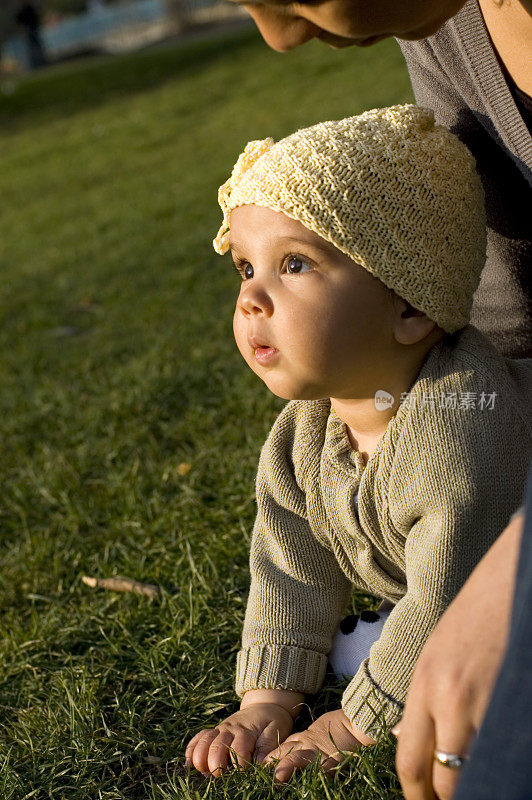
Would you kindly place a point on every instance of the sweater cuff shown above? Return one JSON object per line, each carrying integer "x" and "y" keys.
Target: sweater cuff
{"x": 279, "y": 667}
{"x": 369, "y": 708}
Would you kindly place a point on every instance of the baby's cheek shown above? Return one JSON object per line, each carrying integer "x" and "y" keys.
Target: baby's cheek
{"x": 238, "y": 331}
{"x": 241, "y": 339}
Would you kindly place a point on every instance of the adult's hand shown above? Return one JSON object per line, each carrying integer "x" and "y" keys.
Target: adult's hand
{"x": 455, "y": 674}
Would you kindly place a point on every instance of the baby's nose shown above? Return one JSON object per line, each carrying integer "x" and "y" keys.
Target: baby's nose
{"x": 255, "y": 301}
{"x": 281, "y": 30}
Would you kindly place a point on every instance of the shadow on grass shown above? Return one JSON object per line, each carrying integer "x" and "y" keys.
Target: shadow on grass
{"x": 64, "y": 90}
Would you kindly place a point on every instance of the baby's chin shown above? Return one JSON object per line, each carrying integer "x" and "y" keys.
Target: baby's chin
{"x": 290, "y": 390}
{"x": 287, "y": 387}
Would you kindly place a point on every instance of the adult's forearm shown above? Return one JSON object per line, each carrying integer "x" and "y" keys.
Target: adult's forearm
{"x": 456, "y": 671}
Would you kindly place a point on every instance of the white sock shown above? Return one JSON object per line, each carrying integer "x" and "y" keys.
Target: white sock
{"x": 353, "y": 639}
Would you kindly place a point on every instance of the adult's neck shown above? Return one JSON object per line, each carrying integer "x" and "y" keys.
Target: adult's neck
{"x": 509, "y": 25}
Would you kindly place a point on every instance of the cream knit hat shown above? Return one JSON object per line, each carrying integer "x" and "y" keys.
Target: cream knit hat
{"x": 389, "y": 188}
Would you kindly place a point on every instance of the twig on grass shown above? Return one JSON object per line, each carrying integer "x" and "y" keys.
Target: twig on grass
{"x": 121, "y": 584}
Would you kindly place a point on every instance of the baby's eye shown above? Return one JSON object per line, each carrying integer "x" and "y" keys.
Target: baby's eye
{"x": 244, "y": 269}
{"x": 294, "y": 265}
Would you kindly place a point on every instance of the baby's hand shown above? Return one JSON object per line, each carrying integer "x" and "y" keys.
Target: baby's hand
{"x": 256, "y": 729}
{"x": 329, "y": 736}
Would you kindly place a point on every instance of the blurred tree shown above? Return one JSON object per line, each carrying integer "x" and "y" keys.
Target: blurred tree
{"x": 29, "y": 19}
{"x": 66, "y": 6}
{"x": 71, "y": 6}
{"x": 7, "y": 21}
{"x": 175, "y": 10}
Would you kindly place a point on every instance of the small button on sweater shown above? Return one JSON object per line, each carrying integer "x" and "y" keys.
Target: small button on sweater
{"x": 440, "y": 487}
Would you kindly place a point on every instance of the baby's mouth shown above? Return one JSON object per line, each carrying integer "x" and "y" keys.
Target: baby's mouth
{"x": 259, "y": 344}
{"x": 263, "y": 352}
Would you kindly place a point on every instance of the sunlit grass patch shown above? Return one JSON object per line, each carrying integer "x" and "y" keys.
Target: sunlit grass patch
{"x": 118, "y": 367}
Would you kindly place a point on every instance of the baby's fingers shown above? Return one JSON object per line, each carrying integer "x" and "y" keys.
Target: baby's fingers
{"x": 242, "y": 748}
{"x": 296, "y": 759}
{"x": 218, "y": 756}
{"x": 230, "y": 746}
{"x": 198, "y": 749}
{"x": 268, "y": 742}
{"x": 191, "y": 745}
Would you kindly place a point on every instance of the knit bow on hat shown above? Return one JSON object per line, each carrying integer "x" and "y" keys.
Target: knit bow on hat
{"x": 252, "y": 152}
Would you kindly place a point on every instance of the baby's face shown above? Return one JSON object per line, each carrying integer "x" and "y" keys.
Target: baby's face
{"x": 308, "y": 320}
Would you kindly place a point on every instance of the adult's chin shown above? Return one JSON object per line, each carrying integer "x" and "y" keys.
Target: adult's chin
{"x": 424, "y": 31}
{"x": 335, "y": 43}
{"x": 339, "y": 42}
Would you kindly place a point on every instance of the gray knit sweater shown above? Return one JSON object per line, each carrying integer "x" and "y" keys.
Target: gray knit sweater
{"x": 456, "y": 72}
{"x": 437, "y": 491}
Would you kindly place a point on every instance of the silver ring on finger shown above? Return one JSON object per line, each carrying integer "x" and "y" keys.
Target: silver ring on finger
{"x": 450, "y": 760}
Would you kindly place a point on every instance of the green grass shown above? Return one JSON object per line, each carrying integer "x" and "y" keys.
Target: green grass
{"x": 118, "y": 365}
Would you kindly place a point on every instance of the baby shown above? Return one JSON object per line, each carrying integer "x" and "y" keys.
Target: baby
{"x": 405, "y": 447}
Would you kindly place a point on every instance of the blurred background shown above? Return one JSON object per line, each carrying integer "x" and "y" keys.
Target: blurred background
{"x": 38, "y": 32}
{"x": 130, "y": 427}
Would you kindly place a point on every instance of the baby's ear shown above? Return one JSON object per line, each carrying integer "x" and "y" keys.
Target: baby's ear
{"x": 411, "y": 326}
{"x": 410, "y": 311}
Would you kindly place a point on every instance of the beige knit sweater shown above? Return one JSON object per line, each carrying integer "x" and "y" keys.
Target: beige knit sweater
{"x": 434, "y": 495}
